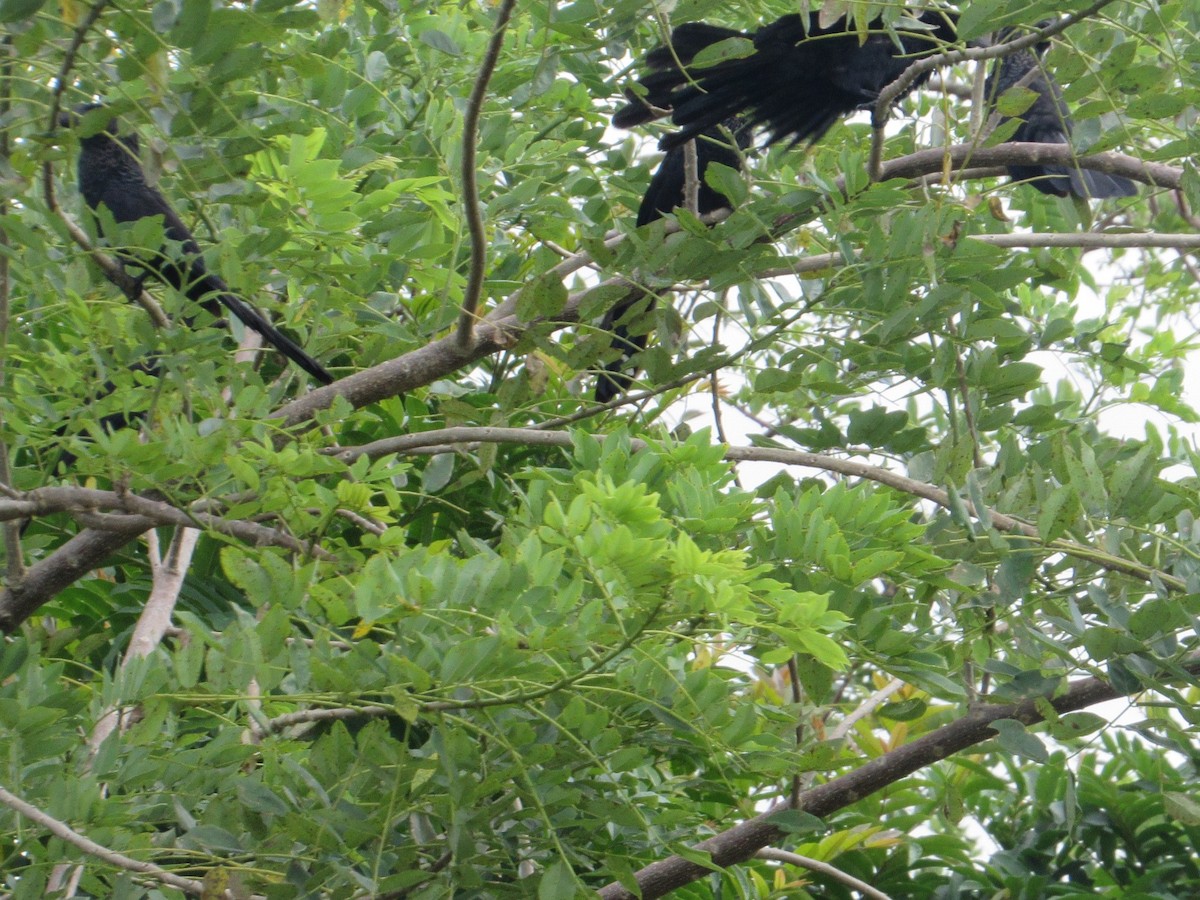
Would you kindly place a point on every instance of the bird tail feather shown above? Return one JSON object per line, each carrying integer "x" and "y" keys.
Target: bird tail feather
{"x": 253, "y": 319}
{"x": 666, "y": 77}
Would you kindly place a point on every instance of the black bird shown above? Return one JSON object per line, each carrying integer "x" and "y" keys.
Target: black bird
{"x": 667, "y": 190}
{"x": 111, "y": 174}
{"x": 1047, "y": 121}
{"x": 800, "y": 78}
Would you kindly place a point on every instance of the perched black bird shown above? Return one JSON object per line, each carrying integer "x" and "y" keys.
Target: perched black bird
{"x": 799, "y": 80}
{"x": 1047, "y": 121}
{"x": 111, "y": 174}
{"x": 667, "y": 191}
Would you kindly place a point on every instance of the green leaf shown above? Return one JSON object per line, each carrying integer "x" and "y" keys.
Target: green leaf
{"x": 1012, "y": 381}
{"x": 1156, "y": 105}
{"x": 728, "y": 182}
{"x": 820, "y": 757}
{"x": 730, "y": 48}
{"x": 1012, "y": 736}
{"x": 795, "y": 821}
{"x": 17, "y": 10}
{"x": 1190, "y": 183}
{"x": 192, "y": 22}
{"x": 1076, "y": 725}
{"x": 904, "y": 711}
{"x": 544, "y": 297}
{"x": 1015, "y": 101}
{"x": 437, "y": 474}
{"x": 559, "y": 881}
{"x": 1182, "y": 807}
{"x": 1058, "y": 513}
{"x": 874, "y": 426}
{"x": 441, "y": 41}
{"x": 254, "y": 795}
{"x": 212, "y": 838}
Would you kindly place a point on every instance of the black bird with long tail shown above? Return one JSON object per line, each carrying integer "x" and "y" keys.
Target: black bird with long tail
{"x": 111, "y": 175}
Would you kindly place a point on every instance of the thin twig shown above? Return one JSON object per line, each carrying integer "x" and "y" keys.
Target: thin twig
{"x": 964, "y": 391}
{"x": 1093, "y": 240}
{"x": 310, "y": 716}
{"x": 794, "y": 677}
{"x": 821, "y": 868}
{"x": 474, "y": 291}
{"x": 64, "y": 71}
{"x": 864, "y": 709}
{"x": 902, "y": 85}
{"x": 14, "y": 558}
{"x": 977, "y": 96}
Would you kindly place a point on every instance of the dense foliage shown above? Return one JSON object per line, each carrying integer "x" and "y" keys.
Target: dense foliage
{"x": 907, "y": 449}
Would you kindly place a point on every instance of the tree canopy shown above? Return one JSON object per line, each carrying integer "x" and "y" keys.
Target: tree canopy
{"x": 829, "y": 603}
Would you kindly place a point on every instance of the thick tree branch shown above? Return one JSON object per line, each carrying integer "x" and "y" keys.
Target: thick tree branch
{"x": 42, "y": 501}
{"x": 88, "y": 549}
{"x": 960, "y": 156}
{"x": 66, "y": 565}
{"x": 742, "y": 841}
{"x": 65, "y": 833}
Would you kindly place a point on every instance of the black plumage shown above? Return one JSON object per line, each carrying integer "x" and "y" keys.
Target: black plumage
{"x": 111, "y": 175}
{"x": 667, "y": 190}
{"x": 799, "y": 79}
{"x": 1047, "y": 121}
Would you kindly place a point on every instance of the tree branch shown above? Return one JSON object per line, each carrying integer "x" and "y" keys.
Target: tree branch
{"x": 474, "y": 217}
{"x": 62, "y": 568}
{"x": 90, "y": 847}
{"x": 742, "y": 841}
{"x": 1092, "y": 240}
{"x": 822, "y": 868}
{"x": 167, "y": 578}
{"x": 45, "y": 500}
{"x": 309, "y": 716}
